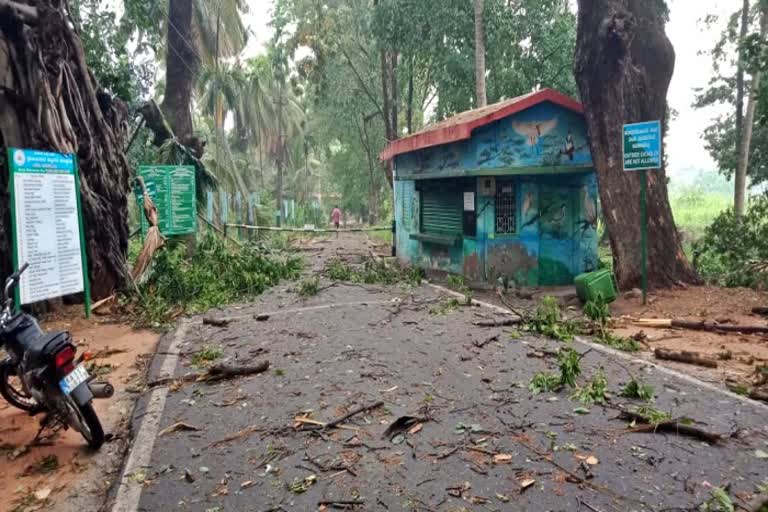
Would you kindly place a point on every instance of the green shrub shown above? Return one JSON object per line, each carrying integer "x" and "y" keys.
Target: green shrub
{"x": 217, "y": 274}
{"x": 547, "y": 321}
{"x": 734, "y": 250}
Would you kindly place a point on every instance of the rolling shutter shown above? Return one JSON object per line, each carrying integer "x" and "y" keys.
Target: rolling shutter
{"x": 441, "y": 211}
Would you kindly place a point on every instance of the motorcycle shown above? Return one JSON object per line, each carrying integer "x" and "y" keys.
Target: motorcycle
{"x": 42, "y": 375}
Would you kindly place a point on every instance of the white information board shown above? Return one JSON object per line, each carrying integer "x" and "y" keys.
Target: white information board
{"x": 46, "y": 224}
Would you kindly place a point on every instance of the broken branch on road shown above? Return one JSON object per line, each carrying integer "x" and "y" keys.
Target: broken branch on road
{"x": 499, "y": 322}
{"x": 674, "y": 426}
{"x": 215, "y": 373}
{"x": 487, "y": 340}
{"x": 216, "y": 322}
{"x": 684, "y": 356}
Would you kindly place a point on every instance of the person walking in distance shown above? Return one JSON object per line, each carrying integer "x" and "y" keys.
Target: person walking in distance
{"x": 336, "y": 219}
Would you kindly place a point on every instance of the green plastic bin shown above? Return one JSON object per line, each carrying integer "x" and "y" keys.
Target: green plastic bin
{"x": 592, "y": 284}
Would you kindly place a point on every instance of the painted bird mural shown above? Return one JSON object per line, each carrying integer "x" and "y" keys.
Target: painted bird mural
{"x": 590, "y": 211}
{"x": 534, "y": 130}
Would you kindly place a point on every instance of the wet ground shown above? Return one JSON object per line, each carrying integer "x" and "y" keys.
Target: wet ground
{"x": 482, "y": 440}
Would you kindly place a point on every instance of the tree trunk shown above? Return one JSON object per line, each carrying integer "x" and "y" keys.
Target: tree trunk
{"x": 740, "y": 177}
{"x": 181, "y": 69}
{"x": 747, "y": 127}
{"x": 623, "y": 67}
{"x": 389, "y": 129}
{"x": 409, "y": 107}
{"x": 48, "y": 101}
{"x": 482, "y": 100}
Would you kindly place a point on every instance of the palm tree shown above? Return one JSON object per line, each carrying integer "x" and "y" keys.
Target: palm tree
{"x": 198, "y": 32}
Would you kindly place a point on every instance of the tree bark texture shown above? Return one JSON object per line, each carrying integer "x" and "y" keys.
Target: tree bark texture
{"x": 182, "y": 64}
{"x": 482, "y": 99}
{"x": 740, "y": 176}
{"x": 623, "y": 66}
{"x": 746, "y": 130}
{"x": 49, "y": 101}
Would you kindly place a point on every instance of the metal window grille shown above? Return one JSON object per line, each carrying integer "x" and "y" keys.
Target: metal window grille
{"x": 505, "y": 209}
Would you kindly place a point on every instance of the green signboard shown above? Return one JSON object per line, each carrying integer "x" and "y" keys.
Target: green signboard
{"x": 47, "y": 224}
{"x": 642, "y": 146}
{"x": 172, "y": 189}
{"x": 642, "y": 152}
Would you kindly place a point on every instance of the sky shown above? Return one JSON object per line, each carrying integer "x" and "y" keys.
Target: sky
{"x": 688, "y": 35}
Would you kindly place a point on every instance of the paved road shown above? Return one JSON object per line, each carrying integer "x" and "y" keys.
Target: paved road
{"x": 354, "y": 345}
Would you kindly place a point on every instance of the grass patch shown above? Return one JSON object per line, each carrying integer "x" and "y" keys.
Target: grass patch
{"x": 206, "y": 356}
{"x": 309, "y": 287}
{"x": 216, "y": 275}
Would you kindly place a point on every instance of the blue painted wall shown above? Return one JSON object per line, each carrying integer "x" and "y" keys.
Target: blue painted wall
{"x": 545, "y": 135}
{"x": 543, "y": 153}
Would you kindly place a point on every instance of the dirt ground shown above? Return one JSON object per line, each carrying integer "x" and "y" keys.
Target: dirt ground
{"x": 60, "y": 473}
{"x": 738, "y": 355}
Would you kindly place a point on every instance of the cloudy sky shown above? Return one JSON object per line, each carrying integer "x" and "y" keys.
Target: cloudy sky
{"x": 688, "y": 35}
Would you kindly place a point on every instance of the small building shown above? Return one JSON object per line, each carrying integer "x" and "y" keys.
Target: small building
{"x": 504, "y": 191}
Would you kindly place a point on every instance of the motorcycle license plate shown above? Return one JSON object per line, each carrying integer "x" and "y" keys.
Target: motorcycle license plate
{"x": 74, "y": 379}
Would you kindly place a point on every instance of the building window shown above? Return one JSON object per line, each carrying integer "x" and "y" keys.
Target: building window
{"x": 505, "y": 209}
{"x": 441, "y": 211}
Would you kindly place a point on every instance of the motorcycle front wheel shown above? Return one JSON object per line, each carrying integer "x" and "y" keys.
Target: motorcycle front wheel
{"x": 87, "y": 423}
{"x": 13, "y": 391}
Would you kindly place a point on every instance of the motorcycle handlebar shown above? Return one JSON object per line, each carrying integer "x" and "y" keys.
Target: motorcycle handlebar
{"x": 16, "y": 275}
{"x": 13, "y": 279}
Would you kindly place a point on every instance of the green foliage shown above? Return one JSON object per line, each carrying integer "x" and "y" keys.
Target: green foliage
{"x": 721, "y": 136}
{"x": 652, "y": 415}
{"x": 118, "y": 49}
{"x": 458, "y": 283}
{"x": 547, "y": 321}
{"x": 719, "y": 501}
{"x": 544, "y": 382}
{"x": 696, "y": 206}
{"x": 595, "y": 391}
{"x": 374, "y": 272}
{"x": 214, "y": 276}
{"x": 445, "y": 306}
{"x": 617, "y": 342}
{"x": 638, "y": 390}
{"x": 568, "y": 360}
{"x": 309, "y": 287}
{"x": 733, "y": 249}
{"x": 598, "y": 311}
{"x": 206, "y": 356}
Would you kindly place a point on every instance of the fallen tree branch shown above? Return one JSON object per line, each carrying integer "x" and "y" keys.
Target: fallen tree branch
{"x": 217, "y": 322}
{"x": 762, "y": 310}
{"x": 482, "y": 343}
{"x": 701, "y": 325}
{"x": 684, "y": 357}
{"x": 354, "y": 412}
{"x": 215, "y": 373}
{"x": 759, "y": 394}
{"x": 499, "y": 322}
{"x": 675, "y": 426}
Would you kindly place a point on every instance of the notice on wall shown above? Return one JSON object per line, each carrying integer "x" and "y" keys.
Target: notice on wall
{"x": 642, "y": 146}
{"x": 469, "y": 201}
{"x": 47, "y": 224}
{"x": 172, "y": 189}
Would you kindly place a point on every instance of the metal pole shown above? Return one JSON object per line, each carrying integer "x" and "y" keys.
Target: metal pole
{"x": 644, "y": 233}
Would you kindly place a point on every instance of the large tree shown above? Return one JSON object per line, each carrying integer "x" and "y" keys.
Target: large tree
{"x": 623, "y": 66}
{"x": 49, "y": 101}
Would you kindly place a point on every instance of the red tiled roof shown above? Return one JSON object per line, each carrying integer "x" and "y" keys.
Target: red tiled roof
{"x": 461, "y": 126}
